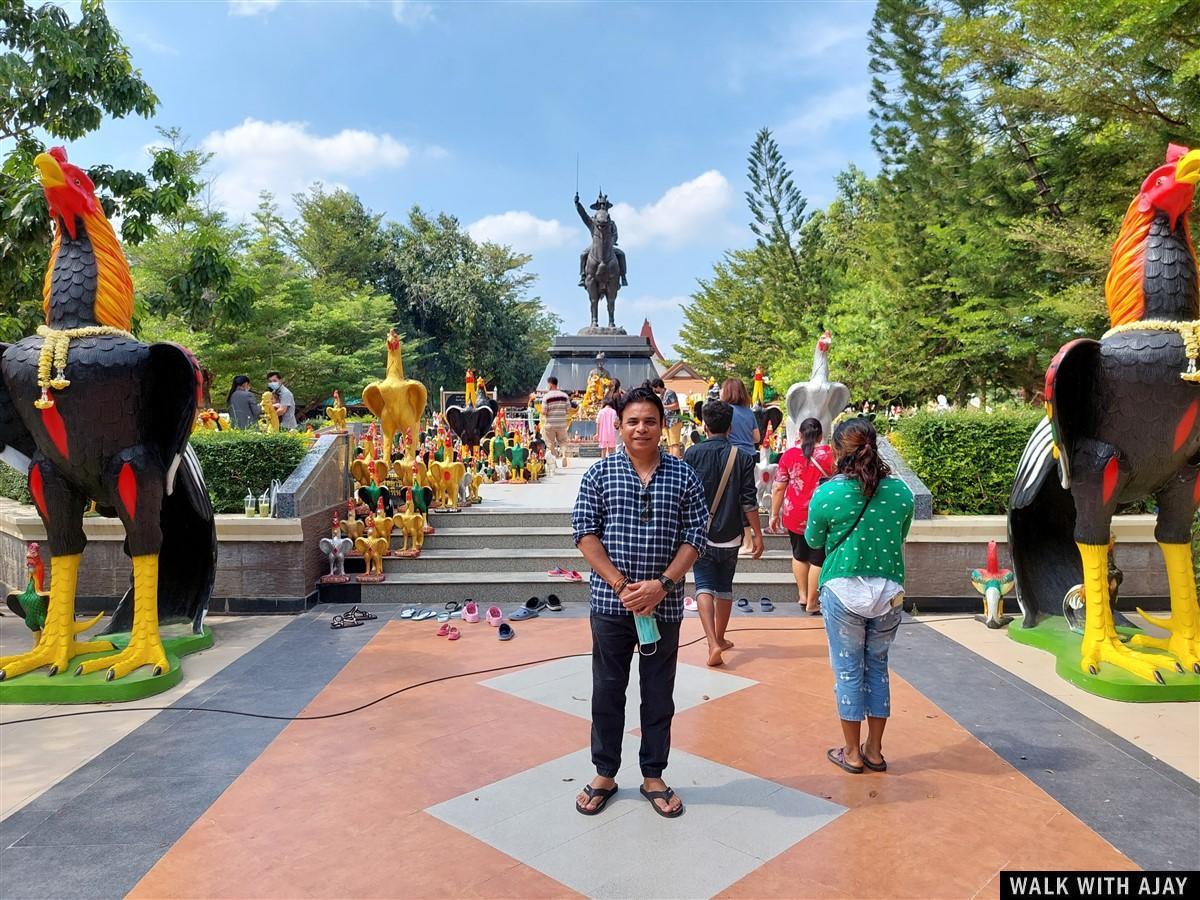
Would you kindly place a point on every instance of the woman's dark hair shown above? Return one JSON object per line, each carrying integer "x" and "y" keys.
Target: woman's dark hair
{"x": 643, "y": 394}
{"x": 657, "y": 383}
{"x": 613, "y": 397}
{"x": 810, "y": 433}
{"x": 733, "y": 390}
{"x": 238, "y": 381}
{"x": 858, "y": 454}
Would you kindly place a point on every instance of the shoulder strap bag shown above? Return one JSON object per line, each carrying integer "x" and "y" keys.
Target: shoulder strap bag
{"x": 729, "y": 461}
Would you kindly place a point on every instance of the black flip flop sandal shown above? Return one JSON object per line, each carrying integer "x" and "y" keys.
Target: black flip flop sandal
{"x": 361, "y": 615}
{"x": 882, "y": 767}
{"x": 662, "y": 795}
{"x": 837, "y": 756}
{"x": 343, "y": 622}
{"x": 553, "y": 603}
{"x": 592, "y": 794}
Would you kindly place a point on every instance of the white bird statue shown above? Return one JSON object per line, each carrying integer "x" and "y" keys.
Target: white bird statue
{"x": 818, "y": 398}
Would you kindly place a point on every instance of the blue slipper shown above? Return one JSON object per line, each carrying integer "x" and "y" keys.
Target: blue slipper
{"x": 505, "y": 632}
{"x": 766, "y": 604}
{"x": 745, "y": 606}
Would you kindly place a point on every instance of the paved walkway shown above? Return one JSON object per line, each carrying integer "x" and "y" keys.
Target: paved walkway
{"x": 463, "y": 787}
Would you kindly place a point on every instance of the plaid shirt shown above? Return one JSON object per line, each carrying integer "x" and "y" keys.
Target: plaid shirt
{"x": 610, "y": 505}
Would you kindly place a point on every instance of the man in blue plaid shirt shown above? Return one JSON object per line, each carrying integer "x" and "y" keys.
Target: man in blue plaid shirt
{"x": 640, "y": 520}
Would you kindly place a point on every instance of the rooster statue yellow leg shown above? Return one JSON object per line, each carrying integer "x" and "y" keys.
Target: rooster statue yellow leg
{"x": 1101, "y": 644}
{"x": 1184, "y": 624}
{"x": 57, "y": 645}
{"x": 145, "y": 645}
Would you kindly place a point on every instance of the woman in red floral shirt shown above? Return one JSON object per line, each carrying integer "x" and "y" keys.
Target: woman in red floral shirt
{"x": 801, "y": 469}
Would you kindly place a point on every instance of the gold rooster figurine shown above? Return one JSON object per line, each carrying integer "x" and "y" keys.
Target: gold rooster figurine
{"x": 412, "y": 529}
{"x": 352, "y": 526}
{"x": 337, "y": 413}
{"x": 396, "y": 400}
{"x": 373, "y": 547}
{"x": 270, "y": 418}
{"x": 445, "y": 478}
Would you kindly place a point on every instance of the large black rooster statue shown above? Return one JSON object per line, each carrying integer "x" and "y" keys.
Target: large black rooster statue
{"x": 1123, "y": 423}
{"x": 91, "y": 413}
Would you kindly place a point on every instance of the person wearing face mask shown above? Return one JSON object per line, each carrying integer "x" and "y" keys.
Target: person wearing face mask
{"x": 285, "y": 403}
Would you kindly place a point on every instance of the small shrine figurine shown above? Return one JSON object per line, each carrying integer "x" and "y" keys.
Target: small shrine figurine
{"x": 756, "y": 393}
{"x": 373, "y": 547}
{"x": 352, "y": 526}
{"x": 337, "y": 413}
{"x": 336, "y": 547}
{"x": 469, "y": 393}
{"x": 31, "y": 603}
{"x": 445, "y": 478}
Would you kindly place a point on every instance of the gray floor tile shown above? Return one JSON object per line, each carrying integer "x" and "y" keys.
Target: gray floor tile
{"x": 95, "y": 873}
{"x": 629, "y": 850}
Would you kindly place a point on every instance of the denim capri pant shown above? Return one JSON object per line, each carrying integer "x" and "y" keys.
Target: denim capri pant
{"x": 858, "y": 653}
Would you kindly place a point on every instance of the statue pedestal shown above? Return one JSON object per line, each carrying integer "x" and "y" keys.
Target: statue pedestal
{"x": 573, "y": 357}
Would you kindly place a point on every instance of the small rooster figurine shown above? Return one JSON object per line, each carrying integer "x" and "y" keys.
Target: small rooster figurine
{"x": 337, "y": 413}
{"x": 336, "y": 547}
{"x": 373, "y": 547}
{"x": 993, "y": 582}
{"x": 1123, "y": 423}
{"x": 89, "y": 411}
{"x": 31, "y": 604}
{"x": 396, "y": 400}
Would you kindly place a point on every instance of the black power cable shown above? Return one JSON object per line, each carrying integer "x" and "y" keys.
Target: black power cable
{"x": 389, "y": 695}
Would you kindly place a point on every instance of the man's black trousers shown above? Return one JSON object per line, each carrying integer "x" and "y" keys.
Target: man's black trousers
{"x": 614, "y": 644}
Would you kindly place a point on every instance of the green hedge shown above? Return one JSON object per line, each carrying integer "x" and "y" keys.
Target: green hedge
{"x": 966, "y": 458}
{"x": 239, "y": 461}
{"x": 234, "y": 462}
{"x": 14, "y": 484}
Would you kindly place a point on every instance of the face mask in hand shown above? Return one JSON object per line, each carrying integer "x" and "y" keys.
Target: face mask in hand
{"x": 647, "y": 629}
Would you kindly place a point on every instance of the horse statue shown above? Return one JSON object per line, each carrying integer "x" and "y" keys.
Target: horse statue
{"x": 601, "y": 266}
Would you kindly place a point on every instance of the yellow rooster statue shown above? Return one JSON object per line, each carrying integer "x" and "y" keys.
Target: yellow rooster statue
{"x": 374, "y": 547}
{"x": 270, "y": 418}
{"x": 337, "y": 413}
{"x": 397, "y": 401}
{"x": 412, "y": 529}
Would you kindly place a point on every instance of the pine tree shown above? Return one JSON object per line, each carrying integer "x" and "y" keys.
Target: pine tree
{"x": 776, "y": 204}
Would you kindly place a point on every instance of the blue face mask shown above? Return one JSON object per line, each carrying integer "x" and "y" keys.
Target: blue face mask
{"x": 647, "y": 629}
{"x": 273, "y": 385}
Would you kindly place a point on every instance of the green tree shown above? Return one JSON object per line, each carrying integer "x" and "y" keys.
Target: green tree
{"x": 61, "y": 79}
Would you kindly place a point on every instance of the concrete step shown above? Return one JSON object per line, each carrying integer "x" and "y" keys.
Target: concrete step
{"x": 520, "y": 536}
{"x": 490, "y": 515}
{"x": 491, "y": 561}
{"x": 517, "y": 587}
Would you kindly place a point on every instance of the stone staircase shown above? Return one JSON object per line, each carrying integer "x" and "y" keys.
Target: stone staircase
{"x": 501, "y": 555}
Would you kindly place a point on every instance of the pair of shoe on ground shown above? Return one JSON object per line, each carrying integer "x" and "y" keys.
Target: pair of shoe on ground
{"x": 352, "y": 618}
{"x": 534, "y": 605}
{"x": 565, "y": 574}
{"x": 689, "y": 603}
{"x": 494, "y": 617}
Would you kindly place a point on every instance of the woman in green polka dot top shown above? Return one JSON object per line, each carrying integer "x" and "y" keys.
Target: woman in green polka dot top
{"x": 861, "y": 517}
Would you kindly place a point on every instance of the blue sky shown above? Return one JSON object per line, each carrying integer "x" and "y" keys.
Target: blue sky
{"x": 480, "y": 110}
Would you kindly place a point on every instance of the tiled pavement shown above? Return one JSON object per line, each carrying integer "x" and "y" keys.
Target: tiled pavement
{"x": 986, "y": 773}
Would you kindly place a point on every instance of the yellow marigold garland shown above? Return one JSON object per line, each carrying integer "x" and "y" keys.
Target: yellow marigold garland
{"x": 55, "y": 345}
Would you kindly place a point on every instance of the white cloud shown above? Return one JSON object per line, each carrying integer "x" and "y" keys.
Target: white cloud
{"x": 523, "y": 231}
{"x": 800, "y": 46}
{"x": 285, "y": 157}
{"x": 684, "y": 212}
{"x": 412, "y": 13}
{"x": 252, "y": 7}
{"x": 646, "y": 304}
{"x": 822, "y": 112}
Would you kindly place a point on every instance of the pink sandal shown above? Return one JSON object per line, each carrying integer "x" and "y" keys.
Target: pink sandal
{"x": 573, "y": 576}
{"x": 494, "y": 616}
{"x": 454, "y": 634}
{"x": 443, "y": 630}
{"x": 471, "y": 612}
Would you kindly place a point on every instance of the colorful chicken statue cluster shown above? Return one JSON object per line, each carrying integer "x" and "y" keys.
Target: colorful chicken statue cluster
{"x": 1122, "y": 424}
{"x": 88, "y": 412}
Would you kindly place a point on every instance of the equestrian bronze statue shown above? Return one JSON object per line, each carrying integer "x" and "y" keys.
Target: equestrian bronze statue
{"x": 601, "y": 266}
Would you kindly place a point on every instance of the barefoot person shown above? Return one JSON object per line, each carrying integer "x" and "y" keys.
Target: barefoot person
{"x": 861, "y": 518}
{"x": 800, "y": 471}
{"x": 729, "y": 489}
{"x": 639, "y": 520}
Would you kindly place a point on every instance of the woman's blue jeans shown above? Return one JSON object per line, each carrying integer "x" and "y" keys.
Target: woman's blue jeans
{"x": 858, "y": 653}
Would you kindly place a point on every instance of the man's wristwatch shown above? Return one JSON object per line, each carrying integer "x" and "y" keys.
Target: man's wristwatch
{"x": 667, "y": 583}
